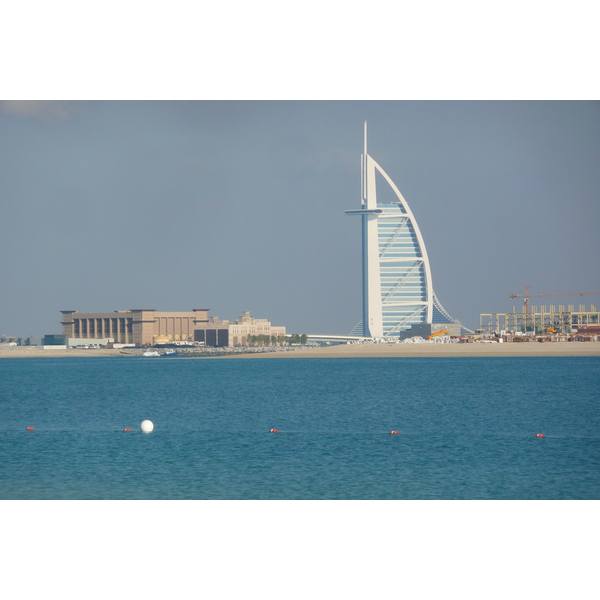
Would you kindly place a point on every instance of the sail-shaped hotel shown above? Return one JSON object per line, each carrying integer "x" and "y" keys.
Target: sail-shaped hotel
{"x": 397, "y": 288}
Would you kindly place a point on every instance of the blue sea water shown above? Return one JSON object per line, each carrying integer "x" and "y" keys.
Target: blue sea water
{"x": 466, "y": 428}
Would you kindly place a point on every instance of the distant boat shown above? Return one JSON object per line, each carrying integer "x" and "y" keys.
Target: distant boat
{"x": 151, "y": 353}
{"x": 169, "y": 353}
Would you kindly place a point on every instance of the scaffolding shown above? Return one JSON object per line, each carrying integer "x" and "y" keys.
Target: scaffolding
{"x": 538, "y": 320}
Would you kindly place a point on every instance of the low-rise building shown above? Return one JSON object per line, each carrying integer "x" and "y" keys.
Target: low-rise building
{"x": 137, "y": 326}
{"x": 236, "y": 333}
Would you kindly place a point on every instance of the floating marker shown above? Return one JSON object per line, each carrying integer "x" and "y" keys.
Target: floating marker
{"x": 393, "y": 433}
{"x": 272, "y": 430}
{"x": 126, "y": 429}
{"x": 147, "y": 426}
{"x": 539, "y": 435}
{"x": 30, "y": 429}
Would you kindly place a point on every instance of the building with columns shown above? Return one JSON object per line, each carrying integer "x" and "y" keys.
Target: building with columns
{"x": 137, "y": 326}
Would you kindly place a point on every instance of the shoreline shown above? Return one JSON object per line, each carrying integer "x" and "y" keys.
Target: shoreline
{"x": 357, "y": 351}
{"x": 438, "y": 350}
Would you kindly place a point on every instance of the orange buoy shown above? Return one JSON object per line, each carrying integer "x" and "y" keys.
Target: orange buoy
{"x": 272, "y": 430}
{"x": 30, "y": 429}
{"x": 539, "y": 435}
{"x": 126, "y": 429}
{"x": 393, "y": 433}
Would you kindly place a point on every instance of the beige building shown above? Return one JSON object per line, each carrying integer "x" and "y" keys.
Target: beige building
{"x": 146, "y": 327}
{"x": 225, "y": 333}
{"x": 139, "y": 326}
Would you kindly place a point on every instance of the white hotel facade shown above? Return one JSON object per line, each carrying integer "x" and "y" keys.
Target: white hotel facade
{"x": 396, "y": 275}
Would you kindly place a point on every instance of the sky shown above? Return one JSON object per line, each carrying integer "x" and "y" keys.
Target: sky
{"x": 239, "y": 205}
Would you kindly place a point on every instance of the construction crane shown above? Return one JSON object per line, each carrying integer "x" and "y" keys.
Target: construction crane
{"x": 527, "y": 296}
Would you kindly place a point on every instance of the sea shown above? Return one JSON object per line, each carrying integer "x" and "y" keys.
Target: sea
{"x": 466, "y": 428}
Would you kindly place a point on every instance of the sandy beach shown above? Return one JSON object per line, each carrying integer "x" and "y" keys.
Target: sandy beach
{"x": 439, "y": 350}
{"x": 362, "y": 350}
{"x": 33, "y": 352}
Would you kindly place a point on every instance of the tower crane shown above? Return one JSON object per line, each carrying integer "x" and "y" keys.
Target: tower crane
{"x": 527, "y": 296}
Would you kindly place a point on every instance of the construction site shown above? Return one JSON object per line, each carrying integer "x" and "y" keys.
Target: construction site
{"x": 544, "y": 322}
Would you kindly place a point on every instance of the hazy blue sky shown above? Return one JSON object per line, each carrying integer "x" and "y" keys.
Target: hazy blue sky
{"x": 239, "y": 205}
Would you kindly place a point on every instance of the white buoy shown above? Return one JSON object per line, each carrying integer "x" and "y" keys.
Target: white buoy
{"x": 147, "y": 426}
